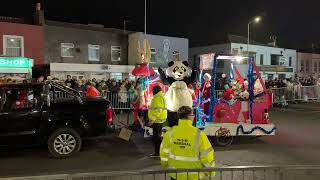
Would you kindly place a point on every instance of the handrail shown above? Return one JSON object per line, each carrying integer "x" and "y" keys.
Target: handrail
{"x": 66, "y": 89}
{"x": 167, "y": 171}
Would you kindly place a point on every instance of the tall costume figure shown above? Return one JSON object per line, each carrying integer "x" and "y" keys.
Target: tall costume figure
{"x": 178, "y": 75}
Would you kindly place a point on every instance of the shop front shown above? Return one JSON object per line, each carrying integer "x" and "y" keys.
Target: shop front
{"x": 90, "y": 71}
{"x": 269, "y": 72}
{"x": 15, "y": 68}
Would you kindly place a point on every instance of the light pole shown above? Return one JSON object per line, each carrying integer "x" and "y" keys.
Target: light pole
{"x": 255, "y": 20}
{"x": 145, "y": 18}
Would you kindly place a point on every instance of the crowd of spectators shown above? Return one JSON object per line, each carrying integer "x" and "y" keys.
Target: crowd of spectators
{"x": 281, "y": 83}
{"x": 103, "y": 86}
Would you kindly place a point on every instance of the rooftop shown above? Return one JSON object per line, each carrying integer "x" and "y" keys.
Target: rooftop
{"x": 12, "y": 20}
{"x": 242, "y": 40}
{"x": 93, "y": 27}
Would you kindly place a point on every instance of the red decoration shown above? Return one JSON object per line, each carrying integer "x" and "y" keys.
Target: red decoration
{"x": 228, "y": 94}
{"x": 143, "y": 70}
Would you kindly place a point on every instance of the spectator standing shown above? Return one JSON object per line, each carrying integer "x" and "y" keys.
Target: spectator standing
{"x": 131, "y": 93}
{"x": 91, "y": 90}
{"x": 123, "y": 95}
{"x": 114, "y": 88}
{"x": 69, "y": 82}
{"x": 80, "y": 86}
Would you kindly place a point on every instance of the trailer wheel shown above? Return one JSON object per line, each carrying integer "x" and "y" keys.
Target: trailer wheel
{"x": 224, "y": 140}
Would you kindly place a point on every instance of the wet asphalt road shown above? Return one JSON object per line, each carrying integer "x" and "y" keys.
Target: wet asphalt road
{"x": 296, "y": 142}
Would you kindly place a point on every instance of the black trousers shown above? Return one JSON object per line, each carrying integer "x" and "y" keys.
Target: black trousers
{"x": 156, "y": 138}
{"x": 172, "y": 118}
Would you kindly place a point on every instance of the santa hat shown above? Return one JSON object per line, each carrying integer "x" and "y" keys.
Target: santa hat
{"x": 206, "y": 75}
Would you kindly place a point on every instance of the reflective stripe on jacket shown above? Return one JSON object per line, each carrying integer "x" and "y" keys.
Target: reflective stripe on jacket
{"x": 185, "y": 146}
{"x": 157, "y": 111}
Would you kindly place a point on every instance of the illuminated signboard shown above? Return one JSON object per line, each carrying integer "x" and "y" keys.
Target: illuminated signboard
{"x": 15, "y": 62}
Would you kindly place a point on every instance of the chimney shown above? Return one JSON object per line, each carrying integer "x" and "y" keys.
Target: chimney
{"x": 273, "y": 42}
{"x": 38, "y": 15}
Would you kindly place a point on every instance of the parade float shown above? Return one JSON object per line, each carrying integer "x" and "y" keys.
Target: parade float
{"x": 240, "y": 108}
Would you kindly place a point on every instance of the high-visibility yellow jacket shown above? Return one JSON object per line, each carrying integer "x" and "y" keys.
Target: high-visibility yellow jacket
{"x": 157, "y": 111}
{"x": 186, "y": 147}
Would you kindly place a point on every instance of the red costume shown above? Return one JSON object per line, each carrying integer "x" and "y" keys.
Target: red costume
{"x": 205, "y": 90}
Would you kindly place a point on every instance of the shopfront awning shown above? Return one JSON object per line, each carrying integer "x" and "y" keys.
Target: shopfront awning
{"x": 14, "y": 70}
{"x": 72, "y": 67}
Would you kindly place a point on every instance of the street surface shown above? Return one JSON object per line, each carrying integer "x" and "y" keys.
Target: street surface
{"x": 296, "y": 142}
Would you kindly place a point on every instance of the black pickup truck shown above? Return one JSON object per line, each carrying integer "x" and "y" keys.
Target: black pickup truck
{"x": 32, "y": 114}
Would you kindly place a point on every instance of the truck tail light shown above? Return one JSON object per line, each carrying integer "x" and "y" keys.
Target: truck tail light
{"x": 109, "y": 115}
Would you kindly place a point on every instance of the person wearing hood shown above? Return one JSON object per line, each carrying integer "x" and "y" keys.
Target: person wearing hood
{"x": 91, "y": 90}
{"x": 157, "y": 114}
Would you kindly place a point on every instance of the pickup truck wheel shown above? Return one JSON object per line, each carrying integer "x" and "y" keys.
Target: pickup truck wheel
{"x": 64, "y": 142}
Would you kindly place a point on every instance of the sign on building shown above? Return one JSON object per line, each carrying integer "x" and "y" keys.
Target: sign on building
{"x": 206, "y": 61}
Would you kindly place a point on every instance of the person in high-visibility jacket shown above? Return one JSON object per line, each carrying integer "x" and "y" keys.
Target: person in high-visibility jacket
{"x": 157, "y": 114}
{"x": 186, "y": 147}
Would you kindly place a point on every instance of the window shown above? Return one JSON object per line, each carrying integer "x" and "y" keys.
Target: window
{"x": 94, "y": 52}
{"x": 16, "y": 99}
{"x": 282, "y": 76}
{"x": 270, "y": 76}
{"x": 275, "y": 59}
{"x": 261, "y": 59}
{"x": 290, "y": 61}
{"x": 13, "y": 45}
{"x": 67, "y": 49}
{"x": 116, "y": 76}
{"x": 153, "y": 55}
{"x": 132, "y": 77}
{"x": 315, "y": 67}
{"x": 302, "y": 65}
{"x": 235, "y": 51}
{"x": 307, "y": 66}
{"x": 115, "y": 53}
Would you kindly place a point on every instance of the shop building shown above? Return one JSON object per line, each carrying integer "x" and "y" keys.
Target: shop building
{"x": 15, "y": 68}
{"x": 162, "y": 48}
{"x": 21, "y": 47}
{"x": 273, "y": 62}
{"x": 308, "y": 64}
{"x": 85, "y": 51}
{"x": 92, "y": 51}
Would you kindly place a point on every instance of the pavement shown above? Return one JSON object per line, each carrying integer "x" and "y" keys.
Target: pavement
{"x": 296, "y": 142}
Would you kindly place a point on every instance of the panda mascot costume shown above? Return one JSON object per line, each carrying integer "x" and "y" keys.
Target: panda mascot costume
{"x": 178, "y": 75}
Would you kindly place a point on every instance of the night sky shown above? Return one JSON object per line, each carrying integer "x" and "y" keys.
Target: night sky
{"x": 296, "y": 23}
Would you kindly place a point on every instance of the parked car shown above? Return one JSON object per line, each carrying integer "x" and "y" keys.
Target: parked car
{"x": 32, "y": 114}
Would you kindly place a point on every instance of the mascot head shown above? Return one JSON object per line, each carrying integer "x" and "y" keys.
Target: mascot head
{"x": 178, "y": 69}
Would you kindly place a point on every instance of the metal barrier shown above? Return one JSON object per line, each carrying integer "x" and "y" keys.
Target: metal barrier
{"x": 296, "y": 93}
{"x": 119, "y": 100}
{"x": 123, "y": 100}
{"x": 221, "y": 173}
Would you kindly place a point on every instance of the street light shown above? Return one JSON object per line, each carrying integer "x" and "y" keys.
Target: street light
{"x": 255, "y": 20}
